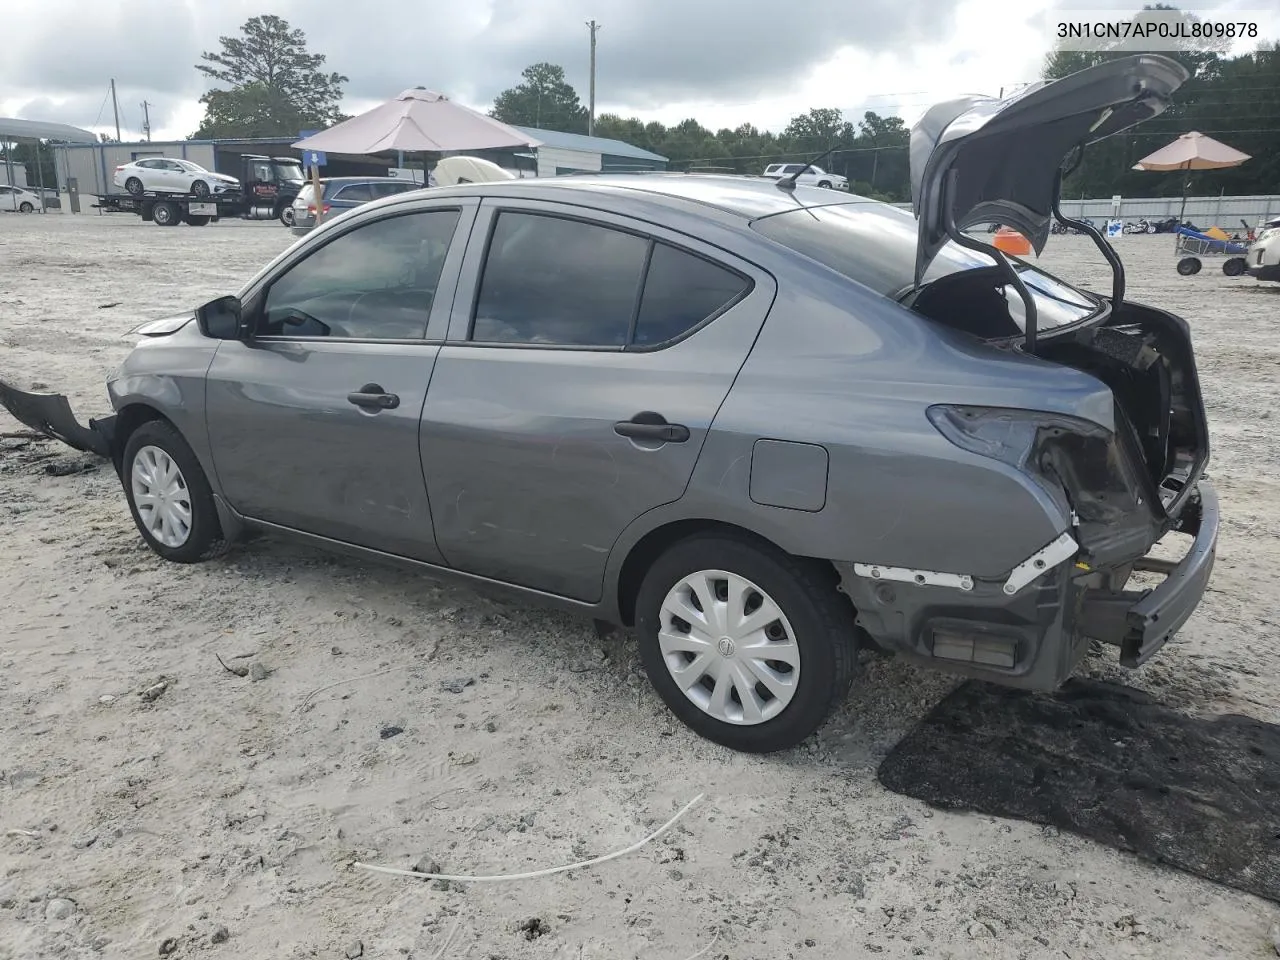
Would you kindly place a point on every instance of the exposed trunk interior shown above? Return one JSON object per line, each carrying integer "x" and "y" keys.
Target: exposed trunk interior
{"x": 1142, "y": 354}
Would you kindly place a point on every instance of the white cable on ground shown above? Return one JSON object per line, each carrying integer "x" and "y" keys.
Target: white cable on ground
{"x": 537, "y": 873}
{"x": 337, "y": 683}
{"x": 707, "y": 948}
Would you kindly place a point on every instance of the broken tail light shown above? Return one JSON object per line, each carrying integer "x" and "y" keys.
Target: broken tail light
{"x": 1086, "y": 469}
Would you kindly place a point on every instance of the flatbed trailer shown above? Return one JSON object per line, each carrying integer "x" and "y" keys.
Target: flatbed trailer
{"x": 171, "y": 209}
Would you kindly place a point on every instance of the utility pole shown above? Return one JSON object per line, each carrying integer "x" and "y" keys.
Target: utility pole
{"x": 115, "y": 108}
{"x": 591, "y": 115}
{"x": 146, "y": 121}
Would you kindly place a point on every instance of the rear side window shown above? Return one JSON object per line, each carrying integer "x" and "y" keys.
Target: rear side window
{"x": 357, "y": 192}
{"x": 557, "y": 281}
{"x": 680, "y": 291}
{"x": 390, "y": 188}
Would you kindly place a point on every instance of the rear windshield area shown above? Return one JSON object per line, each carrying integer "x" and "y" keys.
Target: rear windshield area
{"x": 874, "y": 244}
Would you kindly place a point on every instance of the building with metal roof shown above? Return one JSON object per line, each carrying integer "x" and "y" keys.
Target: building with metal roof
{"x": 561, "y": 153}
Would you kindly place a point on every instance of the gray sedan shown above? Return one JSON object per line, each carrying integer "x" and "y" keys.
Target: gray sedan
{"x": 762, "y": 424}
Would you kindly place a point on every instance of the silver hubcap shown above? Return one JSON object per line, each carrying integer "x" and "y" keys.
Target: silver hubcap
{"x": 160, "y": 493}
{"x": 729, "y": 647}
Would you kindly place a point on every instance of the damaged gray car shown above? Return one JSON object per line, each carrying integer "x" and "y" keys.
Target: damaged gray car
{"x": 759, "y": 423}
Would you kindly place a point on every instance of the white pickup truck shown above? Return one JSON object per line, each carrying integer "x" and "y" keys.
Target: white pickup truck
{"x": 812, "y": 177}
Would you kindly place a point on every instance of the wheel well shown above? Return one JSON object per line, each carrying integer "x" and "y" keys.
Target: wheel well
{"x": 654, "y": 543}
{"x": 130, "y": 418}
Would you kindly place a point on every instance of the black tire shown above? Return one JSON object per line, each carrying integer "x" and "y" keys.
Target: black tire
{"x": 200, "y": 189}
{"x": 286, "y": 215}
{"x": 166, "y": 214}
{"x": 26, "y": 207}
{"x": 825, "y": 184}
{"x": 196, "y": 220}
{"x": 1234, "y": 266}
{"x": 205, "y": 539}
{"x": 1188, "y": 266}
{"x": 821, "y": 620}
{"x": 134, "y": 186}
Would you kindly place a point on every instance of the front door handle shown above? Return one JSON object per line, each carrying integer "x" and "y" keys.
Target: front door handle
{"x": 648, "y": 425}
{"x": 372, "y": 396}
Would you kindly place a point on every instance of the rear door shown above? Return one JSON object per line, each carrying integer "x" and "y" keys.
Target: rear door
{"x": 314, "y": 424}
{"x": 587, "y": 357}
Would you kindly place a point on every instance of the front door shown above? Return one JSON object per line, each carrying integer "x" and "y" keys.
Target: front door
{"x": 314, "y": 424}
{"x": 585, "y": 363}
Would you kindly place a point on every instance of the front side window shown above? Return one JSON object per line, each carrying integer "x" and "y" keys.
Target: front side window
{"x": 375, "y": 282}
{"x": 557, "y": 281}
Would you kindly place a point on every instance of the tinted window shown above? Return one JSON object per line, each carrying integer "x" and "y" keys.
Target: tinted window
{"x": 680, "y": 291}
{"x": 388, "y": 189}
{"x": 358, "y": 192}
{"x": 550, "y": 280}
{"x": 375, "y": 282}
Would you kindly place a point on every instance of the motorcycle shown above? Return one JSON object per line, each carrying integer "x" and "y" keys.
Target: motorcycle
{"x": 1140, "y": 226}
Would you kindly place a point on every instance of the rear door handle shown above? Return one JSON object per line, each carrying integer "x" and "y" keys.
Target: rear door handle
{"x": 372, "y": 396}
{"x": 648, "y": 425}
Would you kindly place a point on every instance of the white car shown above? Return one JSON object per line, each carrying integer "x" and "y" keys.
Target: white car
{"x": 812, "y": 177}
{"x": 166, "y": 175}
{"x": 18, "y": 200}
{"x": 1263, "y": 259}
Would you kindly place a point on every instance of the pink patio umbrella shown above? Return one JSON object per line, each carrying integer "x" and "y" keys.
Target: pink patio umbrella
{"x": 1192, "y": 151}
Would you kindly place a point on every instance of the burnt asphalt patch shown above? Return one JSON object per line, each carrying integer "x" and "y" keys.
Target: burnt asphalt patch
{"x": 1110, "y": 763}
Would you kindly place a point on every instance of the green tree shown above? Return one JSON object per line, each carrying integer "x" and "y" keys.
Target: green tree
{"x": 544, "y": 99}
{"x": 819, "y": 129}
{"x": 273, "y": 84}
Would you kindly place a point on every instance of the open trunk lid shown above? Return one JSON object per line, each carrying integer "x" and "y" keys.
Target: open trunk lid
{"x": 979, "y": 159}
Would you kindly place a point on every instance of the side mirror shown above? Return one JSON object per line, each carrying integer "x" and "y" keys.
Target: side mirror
{"x": 222, "y": 319}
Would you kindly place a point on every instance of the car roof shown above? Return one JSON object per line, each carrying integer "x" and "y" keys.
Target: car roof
{"x": 372, "y": 178}
{"x": 747, "y": 197}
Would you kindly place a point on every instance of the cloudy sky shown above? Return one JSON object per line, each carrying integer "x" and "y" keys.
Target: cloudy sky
{"x": 722, "y": 62}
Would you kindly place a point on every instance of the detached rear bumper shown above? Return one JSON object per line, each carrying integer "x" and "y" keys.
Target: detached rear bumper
{"x": 50, "y": 414}
{"x": 1140, "y": 622}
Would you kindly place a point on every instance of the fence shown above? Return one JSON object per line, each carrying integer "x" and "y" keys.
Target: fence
{"x": 1204, "y": 212}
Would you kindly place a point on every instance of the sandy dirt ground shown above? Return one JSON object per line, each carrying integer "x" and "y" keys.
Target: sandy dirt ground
{"x": 153, "y": 803}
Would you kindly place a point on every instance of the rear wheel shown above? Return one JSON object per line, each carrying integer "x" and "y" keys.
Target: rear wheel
{"x": 165, "y": 214}
{"x": 1188, "y": 266}
{"x": 750, "y": 647}
{"x": 195, "y": 220}
{"x": 169, "y": 495}
{"x": 286, "y": 215}
{"x": 134, "y": 186}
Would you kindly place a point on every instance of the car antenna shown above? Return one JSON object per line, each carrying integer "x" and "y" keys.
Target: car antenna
{"x": 790, "y": 182}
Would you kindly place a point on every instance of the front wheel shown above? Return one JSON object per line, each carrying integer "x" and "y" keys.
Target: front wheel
{"x": 1188, "y": 266}
{"x": 1235, "y": 266}
{"x": 26, "y": 207}
{"x": 200, "y": 188}
{"x": 169, "y": 495}
{"x": 748, "y": 646}
{"x": 825, "y": 184}
{"x": 286, "y": 215}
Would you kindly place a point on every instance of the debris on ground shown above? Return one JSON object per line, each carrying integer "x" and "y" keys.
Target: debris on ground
{"x": 152, "y": 691}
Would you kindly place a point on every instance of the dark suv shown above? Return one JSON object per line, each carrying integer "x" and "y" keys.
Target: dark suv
{"x": 343, "y": 193}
